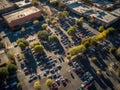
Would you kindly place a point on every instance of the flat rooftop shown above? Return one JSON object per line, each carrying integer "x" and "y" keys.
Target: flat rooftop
{"x": 116, "y": 12}
{"x": 5, "y": 4}
{"x": 20, "y": 13}
{"x": 101, "y": 15}
{"x": 79, "y": 7}
{"x": 22, "y": 3}
{"x": 92, "y": 11}
{"x": 100, "y": 3}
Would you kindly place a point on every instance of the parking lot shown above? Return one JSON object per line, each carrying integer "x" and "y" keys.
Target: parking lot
{"x": 53, "y": 64}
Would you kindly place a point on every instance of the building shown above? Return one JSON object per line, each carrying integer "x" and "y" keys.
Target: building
{"x": 100, "y": 17}
{"x": 18, "y": 17}
{"x": 116, "y": 12}
{"x": 23, "y": 4}
{"x": 103, "y": 4}
{"x": 6, "y": 6}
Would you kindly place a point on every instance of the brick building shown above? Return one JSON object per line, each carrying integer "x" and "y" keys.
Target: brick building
{"x": 20, "y": 16}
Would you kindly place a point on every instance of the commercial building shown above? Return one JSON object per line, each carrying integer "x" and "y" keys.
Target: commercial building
{"x": 6, "y": 6}
{"x": 23, "y": 4}
{"x": 103, "y": 4}
{"x": 20, "y": 16}
{"x": 116, "y": 12}
{"x": 101, "y": 17}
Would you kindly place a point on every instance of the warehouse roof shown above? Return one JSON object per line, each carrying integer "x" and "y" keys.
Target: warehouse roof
{"x": 5, "y": 4}
{"x": 22, "y": 3}
{"x": 21, "y": 13}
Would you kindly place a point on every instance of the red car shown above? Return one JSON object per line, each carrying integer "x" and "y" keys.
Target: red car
{"x": 54, "y": 86}
{"x": 64, "y": 82}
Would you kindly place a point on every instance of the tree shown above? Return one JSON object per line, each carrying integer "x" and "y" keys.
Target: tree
{"x": 38, "y": 48}
{"x": 99, "y": 72}
{"x": 49, "y": 82}
{"x": 79, "y": 22}
{"x": 110, "y": 30}
{"x": 65, "y": 13}
{"x": 23, "y": 40}
{"x": 101, "y": 28}
{"x": 3, "y": 73}
{"x": 93, "y": 59}
{"x": 118, "y": 51}
{"x": 91, "y": 20}
{"x": 61, "y": 5}
{"x": 62, "y": 15}
{"x": 47, "y": 20}
{"x": 10, "y": 55}
{"x": 53, "y": 38}
{"x": 22, "y": 45}
{"x": 23, "y": 29}
{"x": 43, "y": 35}
{"x": 77, "y": 49}
{"x": 35, "y": 2}
{"x": 11, "y": 69}
{"x": 35, "y": 22}
{"x": 71, "y": 31}
{"x": 44, "y": 26}
{"x": 112, "y": 50}
{"x": 19, "y": 85}
{"x": 37, "y": 85}
{"x": 118, "y": 71}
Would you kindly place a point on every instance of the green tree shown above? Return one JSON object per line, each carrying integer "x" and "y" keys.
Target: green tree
{"x": 11, "y": 69}
{"x": 60, "y": 15}
{"x": 22, "y": 45}
{"x": 53, "y": 38}
{"x": 3, "y": 73}
{"x": 99, "y": 72}
{"x": 112, "y": 50}
{"x": 23, "y": 40}
{"x": 19, "y": 85}
{"x": 79, "y": 22}
{"x": 35, "y": 22}
{"x": 118, "y": 51}
{"x": 43, "y": 35}
{"x": 61, "y": 5}
{"x": 71, "y": 31}
{"x": 101, "y": 28}
{"x": 37, "y": 85}
{"x": 44, "y": 26}
{"x": 118, "y": 71}
{"x": 63, "y": 14}
{"x": 23, "y": 29}
{"x": 35, "y": 2}
{"x": 110, "y": 30}
{"x": 10, "y": 55}
{"x": 93, "y": 59}
{"x": 49, "y": 82}
{"x": 38, "y": 48}
{"x": 91, "y": 20}
{"x": 76, "y": 50}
